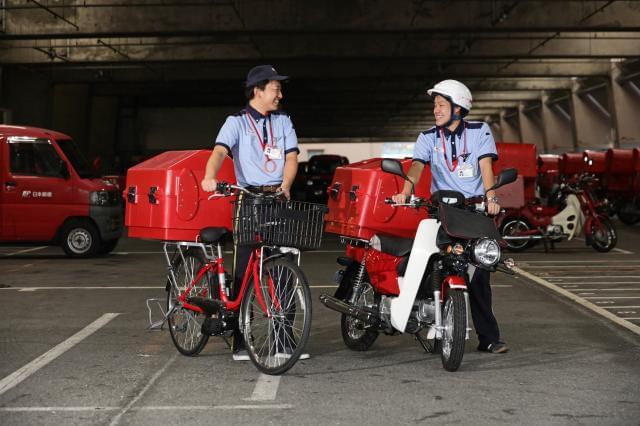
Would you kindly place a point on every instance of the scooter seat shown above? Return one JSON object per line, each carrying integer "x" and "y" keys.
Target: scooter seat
{"x": 396, "y": 246}
{"x": 213, "y": 234}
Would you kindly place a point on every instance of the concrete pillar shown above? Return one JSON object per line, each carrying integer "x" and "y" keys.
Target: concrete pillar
{"x": 592, "y": 127}
{"x": 556, "y": 126}
{"x": 626, "y": 104}
{"x": 530, "y": 126}
{"x": 508, "y": 131}
{"x": 70, "y": 112}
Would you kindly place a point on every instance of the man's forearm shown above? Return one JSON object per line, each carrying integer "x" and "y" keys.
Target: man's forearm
{"x": 414, "y": 173}
{"x": 214, "y": 163}
{"x": 290, "y": 170}
{"x": 486, "y": 172}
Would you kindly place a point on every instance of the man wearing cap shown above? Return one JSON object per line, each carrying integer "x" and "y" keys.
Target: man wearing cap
{"x": 460, "y": 154}
{"x": 263, "y": 144}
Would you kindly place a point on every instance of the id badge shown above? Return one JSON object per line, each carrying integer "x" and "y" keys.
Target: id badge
{"x": 273, "y": 152}
{"x": 466, "y": 171}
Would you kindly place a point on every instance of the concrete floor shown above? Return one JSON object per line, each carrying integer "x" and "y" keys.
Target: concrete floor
{"x": 567, "y": 365}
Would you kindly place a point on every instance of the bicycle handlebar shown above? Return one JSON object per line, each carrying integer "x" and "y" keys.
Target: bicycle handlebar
{"x": 224, "y": 189}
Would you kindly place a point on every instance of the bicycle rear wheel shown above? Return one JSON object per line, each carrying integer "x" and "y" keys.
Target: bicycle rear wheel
{"x": 185, "y": 326}
{"x": 275, "y": 338}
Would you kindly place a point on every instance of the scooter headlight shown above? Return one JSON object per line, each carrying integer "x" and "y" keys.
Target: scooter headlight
{"x": 486, "y": 252}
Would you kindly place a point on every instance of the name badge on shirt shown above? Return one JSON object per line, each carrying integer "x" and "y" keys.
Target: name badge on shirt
{"x": 272, "y": 152}
{"x": 466, "y": 171}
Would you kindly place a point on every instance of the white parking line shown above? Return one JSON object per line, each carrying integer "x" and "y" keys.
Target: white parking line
{"x": 266, "y": 388}
{"x": 581, "y": 301}
{"x": 23, "y": 373}
{"x": 558, "y": 281}
{"x": 25, "y": 251}
{"x": 604, "y": 289}
{"x": 144, "y": 390}
{"x": 148, "y": 408}
{"x": 614, "y": 297}
{"x": 621, "y": 307}
{"x": 553, "y": 277}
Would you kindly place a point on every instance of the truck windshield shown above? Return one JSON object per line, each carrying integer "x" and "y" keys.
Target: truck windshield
{"x": 78, "y": 161}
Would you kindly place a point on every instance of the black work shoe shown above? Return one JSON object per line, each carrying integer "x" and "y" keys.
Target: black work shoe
{"x": 494, "y": 348}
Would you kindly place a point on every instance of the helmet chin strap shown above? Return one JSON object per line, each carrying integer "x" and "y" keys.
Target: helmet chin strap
{"x": 454, "y": 116}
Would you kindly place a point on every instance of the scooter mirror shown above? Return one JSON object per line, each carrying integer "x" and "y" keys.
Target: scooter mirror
{"x": 393, "y": 166}
{"x": 505, "y": 177}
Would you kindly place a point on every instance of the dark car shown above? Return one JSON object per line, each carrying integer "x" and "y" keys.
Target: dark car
{"x": 315, "y": 176}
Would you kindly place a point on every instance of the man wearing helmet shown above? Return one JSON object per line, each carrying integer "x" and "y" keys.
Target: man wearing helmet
{"x": 460, "y": 154}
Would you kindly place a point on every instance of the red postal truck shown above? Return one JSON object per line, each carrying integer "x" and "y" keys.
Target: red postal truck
{"x": 50, "y": 194}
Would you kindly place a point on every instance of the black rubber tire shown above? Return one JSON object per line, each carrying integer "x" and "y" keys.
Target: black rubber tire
{"x": 108, "y": 246}
{"x": 251, "y": 315}
{"x": 628, "y": 218}
{"x": 610, "y": 235}
{"x": 194, "y": 259}
{"x": 79, "y": 238}
{"x": 455, "y": 331}
{"x": 367, "y": 337}
{"x": 505, "y": 230}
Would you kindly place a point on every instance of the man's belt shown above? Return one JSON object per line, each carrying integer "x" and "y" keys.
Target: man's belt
{"x": 263, "y": 188}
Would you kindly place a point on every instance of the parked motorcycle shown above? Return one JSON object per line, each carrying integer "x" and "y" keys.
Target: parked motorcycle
{"x": 573, "y": 209}
{"x": 418, "y": 285}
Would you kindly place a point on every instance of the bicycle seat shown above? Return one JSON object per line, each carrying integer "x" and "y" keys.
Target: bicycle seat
{"x": 213, "y": 234}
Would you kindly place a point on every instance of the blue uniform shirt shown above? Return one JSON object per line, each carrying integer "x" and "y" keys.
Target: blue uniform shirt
{"x": 466, "y": 177}
{"x": 241, "y": 141}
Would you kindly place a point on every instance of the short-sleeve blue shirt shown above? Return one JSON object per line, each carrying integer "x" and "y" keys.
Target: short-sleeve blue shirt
{"x": 241, "y": 141}
{"x": 480, "y": 144}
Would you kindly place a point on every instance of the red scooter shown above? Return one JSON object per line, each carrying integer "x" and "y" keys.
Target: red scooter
{"x": 572, "y": 209}
{"x": 418, "y": 285}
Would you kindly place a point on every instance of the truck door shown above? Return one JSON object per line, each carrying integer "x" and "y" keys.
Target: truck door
{"x": 6, "y": 231}
{"x": 37, "y": 192}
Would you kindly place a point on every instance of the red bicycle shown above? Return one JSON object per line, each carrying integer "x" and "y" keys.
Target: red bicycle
{"x": 273, "y": 306}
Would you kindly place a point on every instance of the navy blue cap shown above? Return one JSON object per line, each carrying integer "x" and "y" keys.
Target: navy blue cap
{"x": 263, "y": 72}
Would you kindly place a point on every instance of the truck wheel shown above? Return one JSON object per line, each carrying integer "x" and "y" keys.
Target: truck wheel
{"x": 108, "y": 246}
{"x": 80, "y": 238}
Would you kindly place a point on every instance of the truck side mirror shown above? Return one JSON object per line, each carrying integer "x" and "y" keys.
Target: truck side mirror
{"x": 505, "y": 177}
{"x": 64, "y": 169}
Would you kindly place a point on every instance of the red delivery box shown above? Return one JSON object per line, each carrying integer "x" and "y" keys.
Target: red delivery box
{"x": 164, "y": 200}
{"x": 521, "y": 156}
{"x": 356, "y": 201}
{"x": 595, "y": 161}
{"x": 572, "y": 163}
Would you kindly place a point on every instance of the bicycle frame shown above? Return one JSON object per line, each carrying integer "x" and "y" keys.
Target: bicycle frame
{"x": 215, "y": 265}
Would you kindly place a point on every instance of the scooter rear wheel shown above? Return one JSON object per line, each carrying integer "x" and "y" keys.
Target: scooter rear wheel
{"x": 514, "y": 227}
{"x": 454, "y": 320}
{"x": 354, "y": 332}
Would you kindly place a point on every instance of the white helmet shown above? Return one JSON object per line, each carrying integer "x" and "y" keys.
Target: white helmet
{"x": 455, "y": 91}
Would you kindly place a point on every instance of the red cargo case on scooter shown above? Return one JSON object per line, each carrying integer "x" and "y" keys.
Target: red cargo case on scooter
{"x": 598, "y": 160}
{"x": 620, "y": 171}
{"x": 521, "y": 156}
{"x": 356, "y": 201}
{"x": 548, "y": 172}
{"x": 571, "y": 164}
{"x": 164, "y": 200}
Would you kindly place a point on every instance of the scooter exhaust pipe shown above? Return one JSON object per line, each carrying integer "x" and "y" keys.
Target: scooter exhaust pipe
{"x": 345, "y": 308}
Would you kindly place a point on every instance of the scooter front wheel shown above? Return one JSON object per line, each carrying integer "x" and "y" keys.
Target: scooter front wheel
{"x": 454, "y": 321}
{"x": 603, "y": 237}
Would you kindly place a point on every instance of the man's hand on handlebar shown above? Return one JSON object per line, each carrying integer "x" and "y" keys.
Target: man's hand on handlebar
{"x": 285, "y": 192}
{"x": 400, "y": 198}
{"x": 209, "y": 184}
{"x": 493, "y": 208}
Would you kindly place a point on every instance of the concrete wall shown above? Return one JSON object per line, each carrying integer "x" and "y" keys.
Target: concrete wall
{"x": 626, "y": 102}
{"x": 592, "y": 128}
{"x": 558, "y": 130}
{"x": 25, "y": 98}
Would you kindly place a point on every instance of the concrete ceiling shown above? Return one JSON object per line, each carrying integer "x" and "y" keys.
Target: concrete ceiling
{"x": 358, "y": 68}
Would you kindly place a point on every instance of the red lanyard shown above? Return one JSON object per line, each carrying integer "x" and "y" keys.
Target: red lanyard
{"x": 454, "y": 163}
{"x": 255, "y": 129}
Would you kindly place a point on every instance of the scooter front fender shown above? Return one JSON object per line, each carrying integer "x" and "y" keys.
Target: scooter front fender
{"x": 424, "y": 246}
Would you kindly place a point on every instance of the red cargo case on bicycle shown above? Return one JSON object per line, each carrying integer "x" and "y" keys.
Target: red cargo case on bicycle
{"x": 356, "y": 201}
{"x": 164, "y": 200}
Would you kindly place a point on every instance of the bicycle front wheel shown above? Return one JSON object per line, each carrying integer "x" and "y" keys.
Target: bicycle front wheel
{"x": 276, "y": 321}
{"x": 185, "y": 325}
